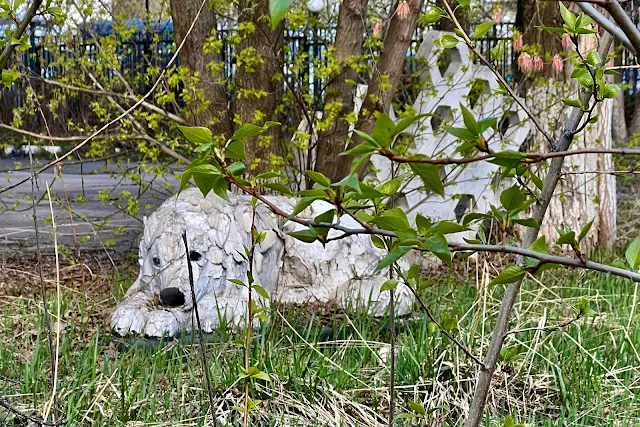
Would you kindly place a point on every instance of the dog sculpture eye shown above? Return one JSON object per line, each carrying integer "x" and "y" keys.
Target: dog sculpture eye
{"x": 156, "y": 261}
{"x": 195, "y": 256}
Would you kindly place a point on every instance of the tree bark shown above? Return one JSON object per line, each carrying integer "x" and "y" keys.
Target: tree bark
{"x": 209, "y": 105}
{"x": 383, "y": 83}
{"x": 260, "y": 61}
{"x": 339, "y": 98}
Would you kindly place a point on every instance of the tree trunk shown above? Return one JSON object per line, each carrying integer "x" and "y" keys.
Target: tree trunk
{"x": 260, "y": 63}
{"x": 384, "y": 81}
{"x": 339, "y": 99}
{"x": 209, "y": 105}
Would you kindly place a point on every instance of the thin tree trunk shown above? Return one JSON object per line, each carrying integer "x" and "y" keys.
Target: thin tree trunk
{"x": 385, "y": 79}
{"x": 260, "y": 60}
{"x": 210, "y": 100}
{"x": 339, "y": 100}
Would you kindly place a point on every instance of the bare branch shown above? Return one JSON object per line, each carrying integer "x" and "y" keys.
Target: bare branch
{"x": 526, "y": 157}
{"x": 606, "y": 24}
{"x": 203, "y": 354}
{"x": 626, "y": 25}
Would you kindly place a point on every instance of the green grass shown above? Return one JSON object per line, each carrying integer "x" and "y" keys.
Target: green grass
{"x": 584, "y": 375}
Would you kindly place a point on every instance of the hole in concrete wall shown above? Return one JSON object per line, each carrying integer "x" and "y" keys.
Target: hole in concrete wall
{"x": 479, "y": 89}
{"x": 447, "y": 60}
{"x": 508, "y": 120}
{"x": 465, "y": 204}
{"x": 442, "y": 114}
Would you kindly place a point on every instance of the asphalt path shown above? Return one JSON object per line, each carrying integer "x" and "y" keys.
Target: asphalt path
{"x": 77, "y": 209}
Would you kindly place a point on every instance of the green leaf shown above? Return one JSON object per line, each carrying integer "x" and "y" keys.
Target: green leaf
{"x": 572, "y": 102}
{"x": 237, "y": 168}
{"x": 567, "y": 237}
{"x": 364, "y": 148}
{"x": 319, "y": 178}
{"x": 237, "y": 282}
{"x": 235, "y": 150}
{"x": 249, "y": 130}
{"x": 392, "y": 257}
{"x": 511, "y": 274}
{"x": 610, "y": 90}
{"x": 278, "y": 8}
{"x": 593, "y": 58}
{"x": 489, "y": 122}
{"x": 585, "y": 230}
{"x": 482, "y": 29}
{"x": 539, "y": 245}
{"x": 350, "y": 181}
{"x": 430, "y": 176}
{"x": 417, "y": 408}
{"x": 512, "y": 198}
{"x": 389, "y": 285}
{"x": 447, "y": 41}
{"x": 280, "y": 188}
{"x": 392, "y": 219}
{"x": 508, "y": 158}
{"x": 220, "y": 187}
{"x": 460, "y": 133}
{"x": 474, "y": 216}
{"x": 437, "y": 244}
{"x": 377, "y": 242}
{"x": 326, "y": 217}
{"x": 633, "y": 254}
{"x": 408, "y": 121}
{"x": 303, "y": 204}
{"x": 204, "y": 183}
{"x": 391, "y": 187}
{"x": 497, "y": 52}
{"x": 194, "y": 134}
{"x": 527, "y": 222}
{"x": 423, "y": 223}
{"x": 260, "y": 291}
{"x": 431, "y": 17}
{"x": 568, "y": 17}
{"x": 469, "y": 121}
{"x": 306, "y": 236}
{"x": 384, "y": 130}
{"x": 448, "y": 227}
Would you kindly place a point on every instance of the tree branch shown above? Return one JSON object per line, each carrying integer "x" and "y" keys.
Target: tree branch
{"x": 17, "y": 34}
{"x": 606, "y": 24}
{"x": 626, "y": 25}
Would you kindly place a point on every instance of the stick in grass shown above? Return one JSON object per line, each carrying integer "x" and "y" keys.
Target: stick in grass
{"x": 203, "y": 355}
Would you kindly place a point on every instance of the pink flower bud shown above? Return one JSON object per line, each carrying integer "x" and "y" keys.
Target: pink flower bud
{"x": 557, "y": 63}
{"x": 525, "y": 63}
{"x": 537, "y": 65}
{"x": 567, "y": 43}
{"x": 377, "y": 28}
{"x": 497, "y": 15}
{"x": 403, "y": 9}
{"x": 518, "y": 43}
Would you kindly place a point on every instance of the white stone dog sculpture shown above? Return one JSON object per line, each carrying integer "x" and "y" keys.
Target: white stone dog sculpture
{"x": 159, "y": 302}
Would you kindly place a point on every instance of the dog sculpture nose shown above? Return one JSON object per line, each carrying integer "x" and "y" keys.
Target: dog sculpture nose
{"x": 171, "y": 297}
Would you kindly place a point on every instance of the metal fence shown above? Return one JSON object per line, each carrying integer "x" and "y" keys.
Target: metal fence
{"x": 154, "y": 46}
